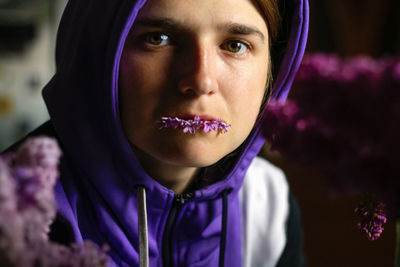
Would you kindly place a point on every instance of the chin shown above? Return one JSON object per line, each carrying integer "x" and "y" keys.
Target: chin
{"x": 186, "y": 150}
{"x": 191, "y": 158}
{"x": 193, "y": 154}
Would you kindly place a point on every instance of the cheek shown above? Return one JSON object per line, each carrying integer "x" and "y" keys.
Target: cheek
{"x": 246, "y": 90}
{"x": 245, "y": 97}
{"x": 134, "y": 75}
{"x": 139, "y": 84}
{"x": 132, "y": 94}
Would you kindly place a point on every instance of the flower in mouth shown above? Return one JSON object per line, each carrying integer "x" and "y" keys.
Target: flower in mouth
{"x": 195, "y": 124}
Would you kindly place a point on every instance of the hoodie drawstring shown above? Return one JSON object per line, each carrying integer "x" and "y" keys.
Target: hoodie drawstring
{"x": 222, "y": 245}
{"x": 142, "y": 226}
{"x": 143, "y": 231}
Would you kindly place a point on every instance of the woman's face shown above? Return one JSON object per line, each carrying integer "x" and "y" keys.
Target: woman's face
{"x": 194, "y": 57}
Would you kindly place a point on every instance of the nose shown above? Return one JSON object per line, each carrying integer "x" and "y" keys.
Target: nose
{"x": 198, "y": 75}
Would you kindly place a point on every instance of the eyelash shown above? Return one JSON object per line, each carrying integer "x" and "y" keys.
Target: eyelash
{"x": 166, "y": 37}
{"x": 240, "y": 42}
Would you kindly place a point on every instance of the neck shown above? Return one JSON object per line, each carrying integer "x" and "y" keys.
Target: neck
{"x": 177, "y": 178}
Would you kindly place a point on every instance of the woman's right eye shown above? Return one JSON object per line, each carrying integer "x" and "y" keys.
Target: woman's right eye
{"x": 157, "y": 39}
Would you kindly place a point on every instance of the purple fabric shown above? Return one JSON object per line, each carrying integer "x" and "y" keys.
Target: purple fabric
{"x": 99, "y": 172}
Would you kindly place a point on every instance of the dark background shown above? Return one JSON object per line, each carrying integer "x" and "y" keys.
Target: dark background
{"x": 331, "y": 237}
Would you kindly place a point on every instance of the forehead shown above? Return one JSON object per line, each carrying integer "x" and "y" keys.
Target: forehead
{"x": 203, "y": 13}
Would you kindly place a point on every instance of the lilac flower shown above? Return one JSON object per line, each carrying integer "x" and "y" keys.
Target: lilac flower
{"x": 208, "y": 126}
{"x": 11, "y": 224}
{"x": 7, "y": 187}
{"x": 39, "y": 152}
{"x": 27, "y": 208}
{"x": 372, "y": 217}
{"x": 194, "y": 125}
{"x": 343, "y": 120}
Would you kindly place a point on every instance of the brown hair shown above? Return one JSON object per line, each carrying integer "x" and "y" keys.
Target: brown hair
{"x": 271, "y": 12}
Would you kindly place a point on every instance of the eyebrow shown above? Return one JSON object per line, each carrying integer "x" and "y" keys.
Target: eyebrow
{"x": 241, "y": 29}
{"x": 164, "y": 23}
{"x": 172, "y": 25}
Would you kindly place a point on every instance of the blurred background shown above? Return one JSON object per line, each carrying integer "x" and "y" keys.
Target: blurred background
{"x": 27, "y": 41}
{"x": 331, "y": 237}
{"x": 346, "y": 27}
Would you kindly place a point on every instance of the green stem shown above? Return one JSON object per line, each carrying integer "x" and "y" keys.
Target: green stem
{"x": 397, "y": 251}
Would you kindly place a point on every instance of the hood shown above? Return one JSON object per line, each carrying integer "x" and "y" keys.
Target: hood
{"x": 82, "y": 99}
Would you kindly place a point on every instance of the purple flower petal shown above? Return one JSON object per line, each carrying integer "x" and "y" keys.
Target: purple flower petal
{"x": 194, "y": 125}
{"x": 373, "y": 216}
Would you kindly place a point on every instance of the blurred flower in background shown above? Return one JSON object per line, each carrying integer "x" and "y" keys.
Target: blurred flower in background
{"x": 344, "y": 122}
{"x": 28, "y": 207}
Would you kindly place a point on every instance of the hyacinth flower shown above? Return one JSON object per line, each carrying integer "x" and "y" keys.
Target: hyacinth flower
{"x": 195, "y": 124}
{"x": 27, "y": 209}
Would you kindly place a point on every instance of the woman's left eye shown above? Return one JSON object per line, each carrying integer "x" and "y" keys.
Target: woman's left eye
{"x": 157, "y": 39}
{"x": 236, "y": 46}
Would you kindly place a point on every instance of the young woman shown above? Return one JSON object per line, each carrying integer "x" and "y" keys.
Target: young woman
{"x": 157, "y": 105}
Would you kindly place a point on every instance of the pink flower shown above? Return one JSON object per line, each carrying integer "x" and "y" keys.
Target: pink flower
{"x": 344, "y": 121}
{"x": 27, "y": 208}
{"x": 194, "y": 125}
{"x": 372, "y": 216}
{"x": 38, "y": 152}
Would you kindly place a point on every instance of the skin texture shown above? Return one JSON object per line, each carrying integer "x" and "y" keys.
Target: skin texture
{"x": 186, "y": 58}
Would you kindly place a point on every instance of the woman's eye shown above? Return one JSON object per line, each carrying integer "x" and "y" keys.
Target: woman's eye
{"x": 236, "y": 47}
{"x": 158, "y": 39}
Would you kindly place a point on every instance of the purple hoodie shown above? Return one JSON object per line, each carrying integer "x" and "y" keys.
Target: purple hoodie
{"x": 100, "y": 176}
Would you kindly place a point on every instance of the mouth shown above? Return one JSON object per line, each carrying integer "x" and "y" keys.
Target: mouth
{"x": 193, "y": 123}
{"x": 194, "y": 117}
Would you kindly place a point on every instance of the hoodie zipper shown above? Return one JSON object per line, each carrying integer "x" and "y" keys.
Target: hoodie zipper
{"x": 178, "y": 202}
